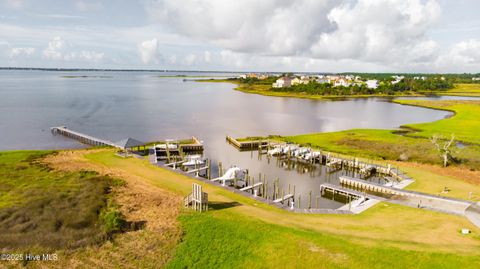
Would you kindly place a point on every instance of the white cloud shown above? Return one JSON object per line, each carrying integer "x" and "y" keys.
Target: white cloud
{"x": 389, "y": 30}
{"x": 59, "y": 49}
{"x": 149, "y": 51}
{"x": 87, "y": 56}
{"x": 381, "y": 30}
{"x": 467, "y": 51}
{"x": 15, "y": 52}
{"x": 461, "y": 57}
{"x": 271, "y": 27}
{"x": 56, "y": 49}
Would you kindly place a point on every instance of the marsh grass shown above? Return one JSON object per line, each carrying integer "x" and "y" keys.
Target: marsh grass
{"x": 50, "y": 209}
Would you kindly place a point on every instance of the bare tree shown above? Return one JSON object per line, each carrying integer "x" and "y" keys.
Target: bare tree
{"x": 444, "y": 149}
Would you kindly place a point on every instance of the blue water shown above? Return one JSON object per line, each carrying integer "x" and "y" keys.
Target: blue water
{"x": 142, "y": 105}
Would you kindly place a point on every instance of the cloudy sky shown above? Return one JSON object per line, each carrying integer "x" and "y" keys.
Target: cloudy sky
{"x": 266, "y": 35}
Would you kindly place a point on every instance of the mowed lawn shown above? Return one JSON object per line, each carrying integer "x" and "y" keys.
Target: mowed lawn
{"x": 239, "y": 232}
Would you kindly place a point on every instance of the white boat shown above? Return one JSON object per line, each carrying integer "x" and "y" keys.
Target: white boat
{"x": 311, "y": 154}
{"x": 275, "y": 151}
{"x": 192, "y": 160}
{"x": 233, "y": 173}
{"x": 300, "y": 152}
{"x": 289, "y": 148}
{"x": 164, "y": 146}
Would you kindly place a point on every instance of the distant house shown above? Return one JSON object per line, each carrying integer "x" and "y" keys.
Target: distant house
{"x": 296, "y": 81}
{"x": 306, "y": 79}
{"x": 397, "y": 79}
{"x": 263, "y": 76}
{"x": 476, "y": 79}
{"x": 244, "y": 76}
{"x": 323, "y": 80}
{"x": 282, "y": 82}
{"x": 341, "y": 82}
{"x": 372, "y": 84}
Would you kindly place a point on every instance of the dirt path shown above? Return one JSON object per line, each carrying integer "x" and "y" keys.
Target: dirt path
{"x": 139, "y": 201}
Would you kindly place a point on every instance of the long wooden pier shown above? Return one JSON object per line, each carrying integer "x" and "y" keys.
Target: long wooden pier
{"x": 83, "y": 138}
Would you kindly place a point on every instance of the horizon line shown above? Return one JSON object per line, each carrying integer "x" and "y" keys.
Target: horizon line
{"x": 211, "y": 71}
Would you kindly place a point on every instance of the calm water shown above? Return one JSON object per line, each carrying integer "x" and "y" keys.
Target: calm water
{"x": 116, "y": 105}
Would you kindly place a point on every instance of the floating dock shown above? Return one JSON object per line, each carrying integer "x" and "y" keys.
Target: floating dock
{"x": 246, "y": 145}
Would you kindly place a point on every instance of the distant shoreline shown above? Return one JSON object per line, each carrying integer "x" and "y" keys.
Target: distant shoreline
{"x": 113, "y": 70}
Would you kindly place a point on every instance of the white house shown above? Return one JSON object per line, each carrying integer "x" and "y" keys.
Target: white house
{"x": 282, "y": 82}
{"x": 341, "y": 82}
{"x": 296, "y": 81}
{"x": 372, "y": 84}
{"x": 397, "y": 79}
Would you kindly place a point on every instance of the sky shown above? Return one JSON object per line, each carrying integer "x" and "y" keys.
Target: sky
{"x": 433, "y": 36}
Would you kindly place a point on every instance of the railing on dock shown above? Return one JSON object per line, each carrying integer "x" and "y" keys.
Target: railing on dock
{"x": 254, "y": 144}
{"x": 83, "y": 138}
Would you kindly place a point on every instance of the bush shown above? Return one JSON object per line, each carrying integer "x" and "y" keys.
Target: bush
{"x": 113, "y": 221}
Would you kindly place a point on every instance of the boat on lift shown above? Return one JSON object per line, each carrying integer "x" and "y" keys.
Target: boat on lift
{"x": 192, "y": 160}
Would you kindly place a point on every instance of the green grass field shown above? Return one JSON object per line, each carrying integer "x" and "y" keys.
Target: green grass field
{"x": 221, "y": 240}
{"x": 464, "y": 90}
{"x": 465, "y": 124}
{"x": 239, "y": 232}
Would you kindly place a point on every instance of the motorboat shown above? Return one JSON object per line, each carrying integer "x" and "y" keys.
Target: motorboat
{"x": 192, "y": 160}
{"x": 311, "y": 155}
{"x": 275, "y": 151}
{"x": 165, "y": 146}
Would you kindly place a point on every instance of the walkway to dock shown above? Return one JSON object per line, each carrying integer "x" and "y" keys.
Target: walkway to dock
{"x": 473, "y": 213}
{"x": 83, "y": 138}
{"x": 418, "y": 199}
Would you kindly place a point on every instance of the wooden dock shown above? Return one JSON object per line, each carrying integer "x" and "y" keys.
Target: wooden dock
{"x": 252, "y": 186}
{"x": 339, "y": 189}
{"x": 284, "y": 198}
{"x": 196, "y": 146}
{"x": 246, "y": 145}
{"x": 83, "y": 138}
